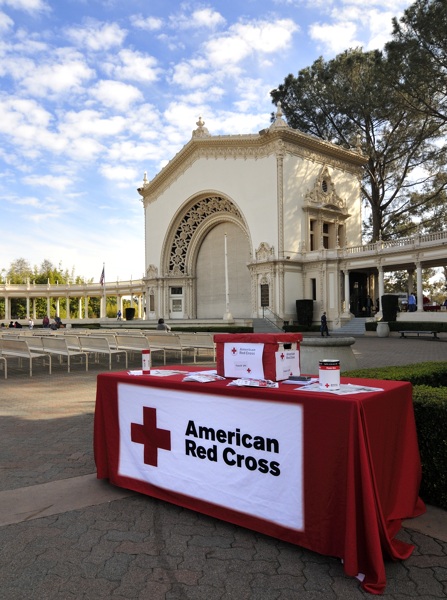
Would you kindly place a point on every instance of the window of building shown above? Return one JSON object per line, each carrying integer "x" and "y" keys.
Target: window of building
{"x": 325, "y": 235}
{"x": 265, "y": 301}
{"x": 313, "y": 286}
{"x": 312, "y": 227}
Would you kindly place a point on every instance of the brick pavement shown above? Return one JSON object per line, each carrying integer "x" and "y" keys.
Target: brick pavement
{"x": 64, "y": 535}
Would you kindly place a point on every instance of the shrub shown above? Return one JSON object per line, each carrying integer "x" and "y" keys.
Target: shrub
{"x": 430, "y": 410}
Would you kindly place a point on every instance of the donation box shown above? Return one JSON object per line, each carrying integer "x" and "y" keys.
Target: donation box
{"x": 273, "y": 356}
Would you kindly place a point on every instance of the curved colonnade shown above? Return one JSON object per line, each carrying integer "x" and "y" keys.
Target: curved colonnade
{"x": 83, "y": 292}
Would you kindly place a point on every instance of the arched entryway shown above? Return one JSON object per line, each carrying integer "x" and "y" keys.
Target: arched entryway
{"x": 210, "y": 273}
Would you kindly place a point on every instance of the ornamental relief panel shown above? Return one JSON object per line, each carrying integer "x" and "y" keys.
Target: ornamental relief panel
{"x": 323, "y": 194}
{"x": 151, "y": 272}
{"x": 265, "y": 252}
{"x": 191, "y": 220}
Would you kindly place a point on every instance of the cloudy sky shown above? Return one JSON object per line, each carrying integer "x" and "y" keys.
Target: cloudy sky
{"x": 93, "y": 93}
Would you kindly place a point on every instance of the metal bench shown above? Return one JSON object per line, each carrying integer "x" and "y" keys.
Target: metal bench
{"x": 20, "y": 349}
{"x": 59, "y": 345}
{"x": 404, "y": 334}
{"x": 169, "y": 342}
{"x": 5, "y": 365}
{"x": 136, "y": 343}
{"x": 198, "y": 341}
{"x": 99, "y": 345}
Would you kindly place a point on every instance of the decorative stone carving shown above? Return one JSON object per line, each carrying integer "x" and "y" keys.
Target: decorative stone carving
{"x": 265, "y": 252}
{"x": 188, "y": 225}
{"x": 201, "y": 130}
{"x": 151, "y": 272}
{"x": 323, "y": 194}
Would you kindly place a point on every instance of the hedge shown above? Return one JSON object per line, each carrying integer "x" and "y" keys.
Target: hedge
{"x": 429, "y": 382}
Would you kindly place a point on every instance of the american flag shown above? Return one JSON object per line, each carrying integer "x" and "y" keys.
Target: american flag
{"x": 102, "y": 278}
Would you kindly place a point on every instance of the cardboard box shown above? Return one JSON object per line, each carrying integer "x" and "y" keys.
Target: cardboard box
{"x": 273, "y": 356}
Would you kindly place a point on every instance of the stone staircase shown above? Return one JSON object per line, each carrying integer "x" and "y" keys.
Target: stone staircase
{"x": 354, "y": 327}
{"x": 265, "y": 326}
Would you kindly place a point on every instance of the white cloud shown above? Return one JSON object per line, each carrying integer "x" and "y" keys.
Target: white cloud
{"x": 250, "y": 93}
{"x": 134, "y": 66}
{"x": 97, "y": 36}
{"x": 202, "y": 18}
{"x": 67, "y": 72}
{"x": 193, "y": 74}
{"x": 29, "y": 6}
{"x": 119, "y": 173}
{"x": 116, "y": 95}
{"x": 91, "y": 122}
{"x": 59, "y": 183}
{"x": 246, "y": 39}
{"x": 5, "y": 22}
{"x": 148, "y": 23}
{"x": 335, "y": 37}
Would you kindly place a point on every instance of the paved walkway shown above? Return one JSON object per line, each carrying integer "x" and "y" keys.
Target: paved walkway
{"x": 65, "y": 535}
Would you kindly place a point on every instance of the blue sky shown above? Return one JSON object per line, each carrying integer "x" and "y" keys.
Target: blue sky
{"x": 93, "y": 93}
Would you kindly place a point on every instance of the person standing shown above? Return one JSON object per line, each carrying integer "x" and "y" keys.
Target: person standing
{"x": 411, "y": 303}
{"x": 324, "y": 328}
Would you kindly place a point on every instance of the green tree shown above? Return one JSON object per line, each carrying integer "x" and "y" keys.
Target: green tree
{"x": 351, "y": 101}
{"x": 418, "y": 58}
{"x": 418, "y": 53}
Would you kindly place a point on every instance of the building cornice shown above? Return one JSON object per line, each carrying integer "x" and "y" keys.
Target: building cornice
{"x": 249, "y": 146}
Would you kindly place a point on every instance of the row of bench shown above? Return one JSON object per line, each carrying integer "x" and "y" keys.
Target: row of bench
{"x": 31, "y": 346}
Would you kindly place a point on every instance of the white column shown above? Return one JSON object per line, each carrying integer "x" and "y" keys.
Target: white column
{"x": 67, "y": 307}
{"x": 420, "y": 298}
{"x": 48, "y": 305}
{"x": 86, "y": 307}
{"x": 57, "y": 307}
{"x": 347, "y": 307}
{"x": 227, "y": 316}
{"x": 381, "y": 289}
{"x": 27, "y": 308}
{"x": 140, "y": 306}
{"x": 7, "y": 308}
{"x": 80, "y": 307}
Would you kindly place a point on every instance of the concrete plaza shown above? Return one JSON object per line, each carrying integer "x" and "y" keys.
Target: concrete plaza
{"x": 65, "y": 535}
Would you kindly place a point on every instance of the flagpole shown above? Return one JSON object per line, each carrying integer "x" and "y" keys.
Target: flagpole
{"x": 104, "y": 304}
{"x": 227, "y": 316}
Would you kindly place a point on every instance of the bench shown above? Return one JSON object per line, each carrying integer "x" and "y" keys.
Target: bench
{"x": 59, "y": 345}
{"x": 20, "y": 349}
{"x": 136, "y": 343}
{"x": 5, "y": 365}
{"x": 198, "y": 341}
{"x": 98, "y": 345}
{"x": 404, "y": 334}
{"x": 169, "y": 342}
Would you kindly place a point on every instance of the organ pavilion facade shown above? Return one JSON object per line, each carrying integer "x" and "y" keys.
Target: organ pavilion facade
{"x": 237, "y": 225}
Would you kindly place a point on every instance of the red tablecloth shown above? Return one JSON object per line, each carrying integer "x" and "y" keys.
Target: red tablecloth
{"x": 360, "y": 475}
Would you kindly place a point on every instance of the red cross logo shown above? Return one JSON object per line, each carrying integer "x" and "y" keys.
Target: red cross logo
{"x": 233, "y": 350}
{"x": 149, "y": 435}
{"x": 282, "y": 356}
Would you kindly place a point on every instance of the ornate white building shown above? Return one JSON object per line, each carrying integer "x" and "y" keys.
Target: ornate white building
{"x": 242, "y": 226}
{"x": 240, "y": 223}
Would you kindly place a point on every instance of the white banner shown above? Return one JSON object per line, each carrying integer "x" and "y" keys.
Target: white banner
{"x": 242, "y": 454}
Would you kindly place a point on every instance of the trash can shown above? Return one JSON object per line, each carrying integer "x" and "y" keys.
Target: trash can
{"x": 130, "y": 313}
